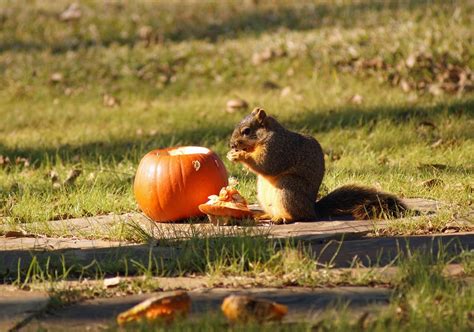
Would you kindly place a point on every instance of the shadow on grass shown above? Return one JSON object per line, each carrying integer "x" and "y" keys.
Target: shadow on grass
{"x": 226, "y": 21}
{"x": 312, "y": 120}
{"x": 199, "y": 255}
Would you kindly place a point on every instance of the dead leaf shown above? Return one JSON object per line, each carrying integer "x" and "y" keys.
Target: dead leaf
{"x": 332, "y": 155}
{"x": 267, "y": 55}
{"x": 431, "y": 183}
{"x": 425, "y": 123}
{"x": 16, "y": 234}
{"x": 433, "y": 166}
{"x": 363, "y": 322}
{"x": 437, "y": 143}
{"x": 237, "y": 104}
{"x": 111, "y": 282}
{"x": 353, "y": 52}
{"x": 56, "y": 77}
{"x": 71, "y": 13}
{"x": 22, "y": 161}
{"x": 411, "y": 61}
{"x": 435, "y": 89}
{"x": 4, "y": 161}
{"x": 145, "y": 32}
{"x": 264, "y": 56}
{"x": 72, "y": 176}
{"x": 269, "y": 85}
{"x": 404, "y": 85}
{"x": 286, "y": 91}
{"x": 55, "y": 181}
{"x": 91, "y": 176}
{"x": 356, "y": 99}
{"x": 53, "y": 175}
{"x": 110, "y": 101}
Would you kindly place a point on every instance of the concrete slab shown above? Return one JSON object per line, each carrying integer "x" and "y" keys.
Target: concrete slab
{"x": 115, "y": 226}
{"x": 17, "y": 306}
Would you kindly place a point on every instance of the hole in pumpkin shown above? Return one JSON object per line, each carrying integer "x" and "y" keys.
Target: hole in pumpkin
{"x": 196, "y": 165}
{"x": 189, "y": 150}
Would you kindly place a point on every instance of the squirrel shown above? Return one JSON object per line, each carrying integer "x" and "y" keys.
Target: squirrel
{"x": 290, "y": 169}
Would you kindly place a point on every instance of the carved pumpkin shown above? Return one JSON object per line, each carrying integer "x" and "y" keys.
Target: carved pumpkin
{"x": 171, "y": 183}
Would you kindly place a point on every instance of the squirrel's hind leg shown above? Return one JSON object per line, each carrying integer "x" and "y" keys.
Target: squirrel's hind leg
{"x": 297, "y": 202}
{"x": 285, "y": 199}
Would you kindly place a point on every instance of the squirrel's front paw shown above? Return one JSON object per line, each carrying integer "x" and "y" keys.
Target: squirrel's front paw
{"x": 236, "y": 155}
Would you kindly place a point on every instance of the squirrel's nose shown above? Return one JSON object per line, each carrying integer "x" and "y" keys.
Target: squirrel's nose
{"x": 233, "y": 145}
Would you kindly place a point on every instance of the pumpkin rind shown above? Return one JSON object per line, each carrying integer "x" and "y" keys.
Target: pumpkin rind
{"x": 170, "y": 187}
{"x": 225, "y": 211}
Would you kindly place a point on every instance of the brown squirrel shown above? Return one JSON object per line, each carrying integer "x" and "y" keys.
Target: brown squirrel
{"x": 290, "y": 169}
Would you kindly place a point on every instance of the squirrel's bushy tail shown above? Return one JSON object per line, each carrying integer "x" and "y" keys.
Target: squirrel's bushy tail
{"x": 360, "y": 203}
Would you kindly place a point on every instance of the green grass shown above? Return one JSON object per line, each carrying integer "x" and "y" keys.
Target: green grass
{"x": 174, "y": 92}
{"x": 424, "y": 299}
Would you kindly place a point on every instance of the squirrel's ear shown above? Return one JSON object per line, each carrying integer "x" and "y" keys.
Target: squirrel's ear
{"x": 260, "y": 115}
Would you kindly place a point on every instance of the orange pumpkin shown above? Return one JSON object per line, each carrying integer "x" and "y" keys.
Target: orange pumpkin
{"x": 171, "y": 183}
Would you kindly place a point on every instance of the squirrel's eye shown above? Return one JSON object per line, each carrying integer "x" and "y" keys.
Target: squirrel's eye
{"x": 246, "y": 131}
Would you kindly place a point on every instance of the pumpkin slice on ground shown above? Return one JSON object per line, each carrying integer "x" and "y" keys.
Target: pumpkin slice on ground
{"x": 228, "y": 205}
{"x": 242, "y": 308}
{"x": 165, "y": 307}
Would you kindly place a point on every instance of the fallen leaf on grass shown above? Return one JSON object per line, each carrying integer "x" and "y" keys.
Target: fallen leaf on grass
{"x": 111, "y": 282}
{"x": 405, "y": 85}
{"x": 432, "y": 166}
{"x": 71, "y": 13}
{"x": 237, "y": 104}
{"x": 267, "y": 55}
{"x": 110, "y": 101}
{"x": 356, "y": 99}
{"x": 286, "y": 91}
{"x": 426, "y": 124}
{"x": 270, "y": 85}
{"x": 145, "y": 32}
{"x": 4, "y": 161}
{"x": 72, "y": 176}
{"x": 25, "y": 162}
{"x": 54, "y": 177}
{"x": 419, "y": 71}
{"x": 411, "y": 61}
{"x": 437, "y": 143}
{"x": 17, "y": 233}
{"x": 435, "y": 89}
{"x": 432, "y": 183}
{"x": 56, "y": 77}
{"x": 363, "y": 322}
